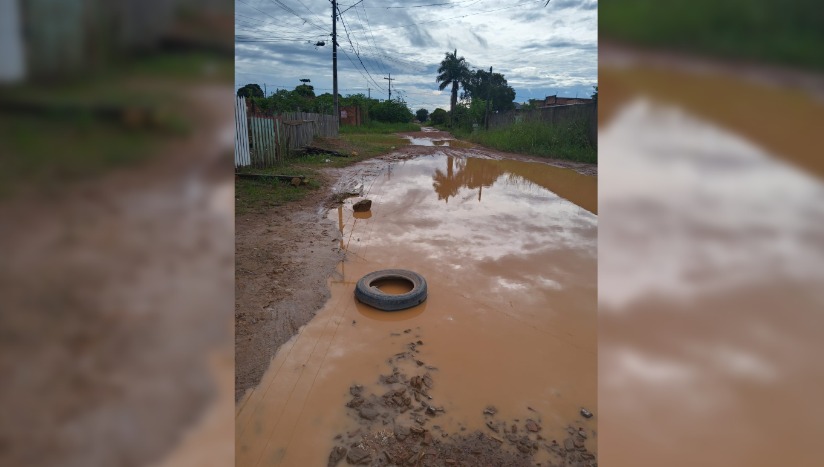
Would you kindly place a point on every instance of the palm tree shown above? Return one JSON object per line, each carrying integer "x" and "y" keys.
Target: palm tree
{"x": 455, "y": 71}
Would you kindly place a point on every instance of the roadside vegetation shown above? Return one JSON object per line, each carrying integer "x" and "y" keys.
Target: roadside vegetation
{"x": 354, "y": 144}
{"x": 773, "y": 32}
{"x": 465, "y": 119}
{"x": 82, "y": 127}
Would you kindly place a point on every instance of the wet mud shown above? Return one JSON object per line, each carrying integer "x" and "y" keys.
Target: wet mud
{"x": 400, "y": 427}
{"x": 509, "y": 322}
{"x": 717, "y": 327}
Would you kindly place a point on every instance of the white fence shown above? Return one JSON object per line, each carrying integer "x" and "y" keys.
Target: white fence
{"x": 263, "y": 141}
{"x": 242, "y": 154}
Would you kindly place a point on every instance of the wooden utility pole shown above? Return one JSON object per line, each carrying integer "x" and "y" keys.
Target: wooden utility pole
{"x": 390, "y": 86}
{"x": 488, "y": 98}
{"x": 335, "y": 109}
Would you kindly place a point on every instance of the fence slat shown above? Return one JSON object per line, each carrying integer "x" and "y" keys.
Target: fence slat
{"x": 242, "y": 156}
{"x": 264, "y": 141}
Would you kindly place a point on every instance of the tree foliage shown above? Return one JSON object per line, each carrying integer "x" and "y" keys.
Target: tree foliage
{"x": 390, "y": 112}
{"x": 595, "y": 94}
{"x": 305, "y": 90}
{"x": 479, "y": 84}
{"x": 438, "y": 116}
{"x": 422, "y": 115}
{"x": 250, "y": 90}
{"x": 453, "y": 70}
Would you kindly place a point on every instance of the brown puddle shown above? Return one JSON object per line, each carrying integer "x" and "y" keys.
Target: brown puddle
{"x": 393, "y": 286}
{"x": 710, "y": 266}
{"x": 509, "y": 320}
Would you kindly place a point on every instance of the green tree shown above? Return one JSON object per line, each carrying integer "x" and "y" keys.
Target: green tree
{"x": 422, "y": 114}
{"x": 250, "y": 90}
{"x": 305, "y": 90}
{"x": 390, "y": 112}
{"x": 477, "y": 86}
{"x": 595, "y": 94}
{"x": 454, "y": 71}
{"x": 438, "y": 116}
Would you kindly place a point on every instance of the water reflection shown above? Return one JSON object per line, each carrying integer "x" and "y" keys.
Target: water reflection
{"x": 477, "y": 174}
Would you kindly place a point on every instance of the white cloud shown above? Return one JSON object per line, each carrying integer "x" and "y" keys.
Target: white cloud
{"x": 541, "y": 50}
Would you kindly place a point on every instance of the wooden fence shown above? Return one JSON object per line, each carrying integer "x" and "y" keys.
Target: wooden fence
{"x": 554, "y": 115}
{"x": 269, "y": 139}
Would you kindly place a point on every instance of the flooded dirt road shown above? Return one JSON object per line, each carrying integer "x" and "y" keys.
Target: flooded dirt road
{"x": 710, "y": 266}
{"x": 509, "y": 322}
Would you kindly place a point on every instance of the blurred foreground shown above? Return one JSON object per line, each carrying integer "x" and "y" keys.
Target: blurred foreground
{"x": 711, "y": 247}
{"x": 116, "y": 244}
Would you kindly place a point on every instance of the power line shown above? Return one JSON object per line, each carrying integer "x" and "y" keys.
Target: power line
{"x": 293, "y": 12}
{"x": 374, "y": 43}
{"x": 355, "y": 51}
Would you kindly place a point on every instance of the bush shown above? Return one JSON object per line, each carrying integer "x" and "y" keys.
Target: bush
{"x": 390, "y": 112}
{"x": 422, "y": 115}
{"x": 438, "y": 116}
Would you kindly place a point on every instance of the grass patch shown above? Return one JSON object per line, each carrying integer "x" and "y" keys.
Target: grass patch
{"x": 48, "y": 153}
{"x": 198, "y": 66}
{"x": 569, "y": 142}
{"x": 255, "y": 195}
{"x": 359, "y": 143}
{"x": 775, "y": 32}
{"x": 379, "y": 128}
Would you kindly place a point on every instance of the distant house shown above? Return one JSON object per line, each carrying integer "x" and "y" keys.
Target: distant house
{"x": 552, "y": 101}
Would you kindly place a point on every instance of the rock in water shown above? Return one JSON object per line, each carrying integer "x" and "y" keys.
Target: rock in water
{"x": 358, "y": 456}
{"x": 337, "y": 454}
{"x": 362, "y": 205}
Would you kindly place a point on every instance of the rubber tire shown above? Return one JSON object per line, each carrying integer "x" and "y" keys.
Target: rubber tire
{"x": 374, "y": 297}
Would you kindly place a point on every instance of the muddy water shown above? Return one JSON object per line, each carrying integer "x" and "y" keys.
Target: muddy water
{"x": 509, "y": 320}
{"x": 393, "y": 287}
{"x": 710, "y": 271}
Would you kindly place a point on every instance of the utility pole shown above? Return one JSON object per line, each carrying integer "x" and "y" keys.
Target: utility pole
{"x": 264, "y": 90}
{"x": 390, "y": 86}
{"x": 369, "y": 91}
{"x": 335, "y": 60}
{"x": 486, "y": 118}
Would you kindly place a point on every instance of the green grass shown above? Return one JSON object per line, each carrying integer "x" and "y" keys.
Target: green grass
{"x": 48, "y": 153}
{"x": 787, "y": 33}
{"x": 63, "y": 136}
{"x": 568, "y": 142}
{"x": 357, "y": 142}
{"x": 256, "y": 195}
{"x": 198, "y": 66}
{"x": 379, "y": 128}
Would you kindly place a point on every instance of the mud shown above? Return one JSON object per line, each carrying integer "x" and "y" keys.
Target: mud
{"x": 510, "y": 318}
{"x": 282, "y": 261}
{"x": 115, "y": 332}
{"x": 400, "y": 427}
{"x": 713, "y": 338}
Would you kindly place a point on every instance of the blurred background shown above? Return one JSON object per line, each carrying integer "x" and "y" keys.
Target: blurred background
{"x": 711, "y": 232}
{"x": 116, "y": 232}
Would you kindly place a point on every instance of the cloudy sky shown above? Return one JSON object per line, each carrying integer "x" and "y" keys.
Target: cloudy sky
{"x": 541, "y": 50}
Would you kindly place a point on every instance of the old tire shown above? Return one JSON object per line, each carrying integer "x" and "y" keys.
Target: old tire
{"x": 373, "y": 296}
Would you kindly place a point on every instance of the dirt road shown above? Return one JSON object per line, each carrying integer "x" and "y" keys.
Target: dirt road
{"x": 509, "y": 323}
{"x": 115, "y": 327}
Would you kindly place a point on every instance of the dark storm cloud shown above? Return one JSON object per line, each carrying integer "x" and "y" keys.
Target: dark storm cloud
{"x": 539, "y": 49}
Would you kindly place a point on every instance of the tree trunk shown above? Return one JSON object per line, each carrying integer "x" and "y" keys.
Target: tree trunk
{"x": 452, "y": 102}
